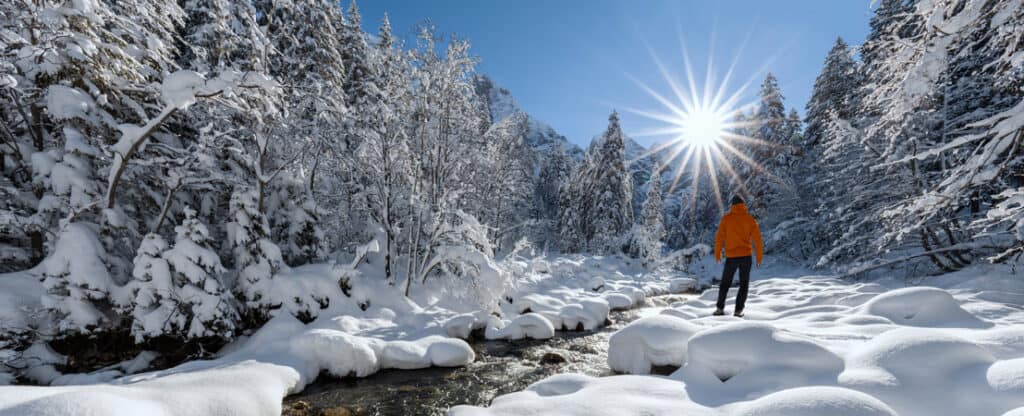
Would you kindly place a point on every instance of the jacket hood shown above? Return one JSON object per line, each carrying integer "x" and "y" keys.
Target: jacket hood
{"x": 738, "y": 209}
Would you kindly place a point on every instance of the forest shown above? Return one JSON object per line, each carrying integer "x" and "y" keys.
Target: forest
{"x": 180, "y": 176}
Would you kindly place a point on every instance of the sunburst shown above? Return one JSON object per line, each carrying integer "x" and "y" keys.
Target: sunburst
{"x": 701, "y": 127}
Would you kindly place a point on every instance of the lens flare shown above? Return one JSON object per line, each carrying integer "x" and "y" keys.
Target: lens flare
{"x": 703, "y": 128}
{"x": 702, "y": 134}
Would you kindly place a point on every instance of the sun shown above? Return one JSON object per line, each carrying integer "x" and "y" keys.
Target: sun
{"x": 703, "y": 128}
{"x": 701, "y": 135}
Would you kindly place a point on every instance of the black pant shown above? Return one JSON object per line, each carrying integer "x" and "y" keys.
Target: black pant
{"x": 731, "y": 264}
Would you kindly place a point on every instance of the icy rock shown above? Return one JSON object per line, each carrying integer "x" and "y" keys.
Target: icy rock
{"x": 922, "y": 306}
{"x": 652, "y": 341}
{"x": 816, "y": 401}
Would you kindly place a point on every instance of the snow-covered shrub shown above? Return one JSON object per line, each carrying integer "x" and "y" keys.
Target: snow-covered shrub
{"x": 178, "y": 290}
{"x": 257, "y": 259}
{"x": 77, "y": 282}
{"x": 295, "y": 223}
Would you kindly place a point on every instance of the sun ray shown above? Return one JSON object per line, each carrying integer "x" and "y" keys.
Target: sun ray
{"x": 706, "y": 127}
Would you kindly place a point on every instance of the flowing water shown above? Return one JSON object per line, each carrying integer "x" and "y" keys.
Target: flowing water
{"x": 501, "y": 367}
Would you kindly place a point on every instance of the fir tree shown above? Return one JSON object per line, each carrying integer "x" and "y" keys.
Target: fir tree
{"x": 834, "y": 89}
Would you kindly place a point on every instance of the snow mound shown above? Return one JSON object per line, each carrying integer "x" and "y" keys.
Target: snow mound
{"x": 580, "y": 395}
{"x": 920, "y": 371}
{"x": 530, "y": 325}
{"x": 911, "y": 356}
{"x": 587, "y": 313}
{"x": 461, "y": 326}
{"x": 922, "y": 306}
{"x": 816, "y": 401}
{"x": 739, "y": 360}
{"x": 651, "y": 341}
{"x": 618, "y": 301}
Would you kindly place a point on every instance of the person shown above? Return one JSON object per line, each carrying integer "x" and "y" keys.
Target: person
{"x": 736, "y": 233}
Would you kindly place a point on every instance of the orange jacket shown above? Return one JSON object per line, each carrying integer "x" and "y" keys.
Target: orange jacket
{"x": 736, "y": 232}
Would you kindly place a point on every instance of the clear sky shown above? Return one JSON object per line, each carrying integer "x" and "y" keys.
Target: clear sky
{"x": 569, "y": 63}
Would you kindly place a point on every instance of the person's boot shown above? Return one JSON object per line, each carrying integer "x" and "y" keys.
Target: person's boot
{"x": 718, "y": 312}
{"x": 738, "y": 314}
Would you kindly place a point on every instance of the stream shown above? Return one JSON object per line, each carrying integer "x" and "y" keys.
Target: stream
{"x": 501, "y": 367}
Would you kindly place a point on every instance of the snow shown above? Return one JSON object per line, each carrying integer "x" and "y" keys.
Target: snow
{"x": 370, "y": 329}
{"x": 811, "y": 345}
{"x": 815, "y": 401}
{"x": 531, "y": 325}
{"x": 922, "y": 306}
{"x": 651, "y": 341}
{"x": 64, "y": 103}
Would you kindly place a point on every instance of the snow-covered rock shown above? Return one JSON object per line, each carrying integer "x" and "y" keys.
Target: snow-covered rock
{"x": 530, "y": 325}
{"x": 651, "y": 341}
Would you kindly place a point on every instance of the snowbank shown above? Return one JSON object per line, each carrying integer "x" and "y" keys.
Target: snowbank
{"x": 279, "y": 359}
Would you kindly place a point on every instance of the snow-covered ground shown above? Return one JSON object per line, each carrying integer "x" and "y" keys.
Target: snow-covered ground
{"x": 371, "y": 328}
{"x": 811, "y": 345}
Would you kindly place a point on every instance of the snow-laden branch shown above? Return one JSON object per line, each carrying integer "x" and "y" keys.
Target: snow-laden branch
{"x": 179, "y": 90}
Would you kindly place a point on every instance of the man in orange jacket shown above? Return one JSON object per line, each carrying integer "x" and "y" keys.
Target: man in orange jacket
{"x": 737, "y": 231}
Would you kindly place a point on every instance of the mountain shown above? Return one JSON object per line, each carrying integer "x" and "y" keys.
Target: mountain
{"x": 540, "y": 136}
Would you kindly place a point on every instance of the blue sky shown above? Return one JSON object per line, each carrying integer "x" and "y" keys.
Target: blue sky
{"x": 569, "y": 63}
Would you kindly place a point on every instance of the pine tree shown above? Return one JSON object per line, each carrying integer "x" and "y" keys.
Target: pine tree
{"x": 257, "y": 259}
{"x": 555, "y": 169}
{"x": 178, "y": 291}
{"x": 597, "y": 205}
{"x": 834, "y": 89}
{"x": 647, "y": 236}
{"x": 78, "y": 283}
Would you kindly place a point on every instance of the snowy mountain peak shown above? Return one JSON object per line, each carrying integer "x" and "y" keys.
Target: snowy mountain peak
{"x": 501, "y": 105}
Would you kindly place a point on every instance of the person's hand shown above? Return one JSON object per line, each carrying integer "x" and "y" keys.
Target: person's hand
{"x": 718, "y": 259}
{"x": 758, "y": 263}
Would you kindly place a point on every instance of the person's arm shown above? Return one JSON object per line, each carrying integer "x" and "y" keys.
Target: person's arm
{"x": 758, "y": 243}
{"x": 719, "y": 241}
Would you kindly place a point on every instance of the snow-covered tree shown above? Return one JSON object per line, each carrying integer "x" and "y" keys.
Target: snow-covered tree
{"x": 178, "y": 291}
{"x": 596, "y": 203}
{"x": 555, "y": 169}
{"x": 834, "y": 90}
{"x": 646, "y": 236}
{"x": 257, "y": 259}
{"x": 79, "y": 288}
